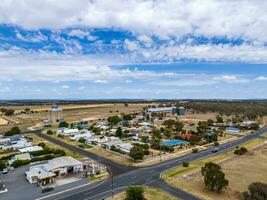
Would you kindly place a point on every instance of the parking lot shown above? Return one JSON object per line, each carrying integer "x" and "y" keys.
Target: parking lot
{"x": 18, "y": 185}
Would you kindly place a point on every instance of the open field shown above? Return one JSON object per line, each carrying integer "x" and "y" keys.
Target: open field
{"x": 3, "y": 121}
{"x": 150, "y": 194}
{"x": 71, "y": 113}
{"x": 239, "y": 170}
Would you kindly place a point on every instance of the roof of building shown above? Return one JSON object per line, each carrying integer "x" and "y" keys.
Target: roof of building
{"x": 30, "y": 149}
{"x": 39, "y": 172}
{"x": 61, "y": 162}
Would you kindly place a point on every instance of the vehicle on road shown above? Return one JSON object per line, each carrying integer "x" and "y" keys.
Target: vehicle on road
{"x": 47, "y": 189}
{"x": 215, "y": 150}
{"x": 5, "y": 171}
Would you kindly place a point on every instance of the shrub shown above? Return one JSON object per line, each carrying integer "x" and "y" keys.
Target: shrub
{"x": 241, "y": 150}
{"x": 256, "y": 191}
{"x": 49, "y": 132}
{"x": 135, "y": 193}
{"x": 18, "y": 163}
{"x": 42, "y": 144}
{"x": 3, "y": 165}
{"x": 194, "y": 150}
{"x": 185, "y": 164}
{"x": 63, "y": 125}
{"x": 82, "y": 140}
{"x": 136, "y": 153}
{"x": 216, "y": 143}
{"x": 41, "y": 152}
{"x": 41, "y": 158}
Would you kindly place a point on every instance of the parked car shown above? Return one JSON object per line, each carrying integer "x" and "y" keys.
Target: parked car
{"x": 47, "y": 189}
{"x": 215, "y": 150}
{"x": 5, "y": 171}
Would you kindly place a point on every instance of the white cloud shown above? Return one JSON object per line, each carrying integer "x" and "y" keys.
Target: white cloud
{"x": 233, "y": 19}
{"x": 231, "y": 79}
{"x": 261, "y": 78}
{"x": 65, "y": 86}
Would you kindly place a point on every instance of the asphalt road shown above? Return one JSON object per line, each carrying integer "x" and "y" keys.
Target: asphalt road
{"x": 150, "y": 176}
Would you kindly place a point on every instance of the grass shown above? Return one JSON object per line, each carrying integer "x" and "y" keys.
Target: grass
{"x": 150, "y": 194}
{"x": 239, "y": 170}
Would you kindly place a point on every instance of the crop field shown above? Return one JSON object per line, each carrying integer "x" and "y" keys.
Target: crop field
{"x": 3, "y": 121}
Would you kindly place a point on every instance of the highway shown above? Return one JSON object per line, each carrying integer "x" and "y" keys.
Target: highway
{"x": 150, "y": 176}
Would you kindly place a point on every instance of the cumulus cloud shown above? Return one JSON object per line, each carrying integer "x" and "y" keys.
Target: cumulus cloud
{"x": 231, "y": 79}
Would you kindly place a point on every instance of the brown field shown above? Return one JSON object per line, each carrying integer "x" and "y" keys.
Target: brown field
{"x": 3, "y": 122}
{"x": 150, "y": 194}
{"x": 71, "y": 113}
{"x": 239, "y": 170}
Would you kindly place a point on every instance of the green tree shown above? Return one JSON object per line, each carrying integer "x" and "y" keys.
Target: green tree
{"x": 3, "y": 164}
{"x": 13, "y": 131}
{"x": 210, "y": 122}
{"x": 219, "y": 119}
{"x": 63, "y": 125}
{"x": 82, "y": 140}
{"x": 136, "y": 153}
{"x": 119, "y": 132}
{"x": 114, "y": 120}
{"x": 256, "y": 191}
{"x": 135, "y": 193}
{"x": 214, "y": 178}
{"x": 127, "y": 117}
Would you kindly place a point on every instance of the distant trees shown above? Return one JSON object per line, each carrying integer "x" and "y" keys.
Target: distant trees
{"x": 135, "y": 193}
{"x": 13, "y": 131}
{"x": 256, "y": 191}
{"x": 7, "y": 112}
{"x": 63, "y": 125}
{"x": 219, "y": 119}
{"x": 214, "y": 178}
{"x": 136, "y": 153}
{"x": 173, "y": 125}
{"x": 127, "y": 117}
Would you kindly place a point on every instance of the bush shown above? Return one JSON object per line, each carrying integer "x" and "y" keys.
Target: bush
{"x": 3, "y": 165}
{"x": 241, "y": 150}
{"x": 256, "y": 191}
{"x": 18, "y": 163}
{"x": 135, "y": 193}
{"x": 194, "y": 150}
{"x": 63, "y": 125}
{"x": 216, "y": 143}
{"x": 49, "y": 132}
{"x": 82, "y": 140}
{"x": 59, "y": 152}
{"x": 185, "y": 164}
{"x": 41, "y": 152}
{"x": 42, "y": 144}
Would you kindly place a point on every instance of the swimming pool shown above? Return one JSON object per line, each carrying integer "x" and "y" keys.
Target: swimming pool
{"x": 173, "y": 142}
{"x": 232, "y": 129}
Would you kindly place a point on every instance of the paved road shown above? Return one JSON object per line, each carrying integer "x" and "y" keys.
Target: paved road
{"x": 116, "y": 168}
{"x": 150, "y": 176}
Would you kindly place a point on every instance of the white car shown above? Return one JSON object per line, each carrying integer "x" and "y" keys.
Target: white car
{"x": 5, "y": 171}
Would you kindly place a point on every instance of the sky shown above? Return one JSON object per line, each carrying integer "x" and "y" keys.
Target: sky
{"x": 135, "y": 49}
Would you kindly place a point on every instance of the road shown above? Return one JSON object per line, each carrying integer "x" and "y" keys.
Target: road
{"x": 150, "y": 176}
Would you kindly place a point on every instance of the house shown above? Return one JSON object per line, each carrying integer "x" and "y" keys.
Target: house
{"x": 67, "y": 131}
{"x": 125, "y": 147}
{"x": 21, "y": 144}
{"x": 45, "y": 173}
{"x": 30, "y": 149}
{"x": 86, "y": 136}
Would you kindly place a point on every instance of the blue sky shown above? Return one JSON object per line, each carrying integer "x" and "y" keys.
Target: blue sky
{"x": 81, "y": 49}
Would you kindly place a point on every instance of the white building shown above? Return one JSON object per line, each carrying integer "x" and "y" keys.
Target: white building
{"x": 61, "y": 166}
{"x": 126, "y": 147}
{"x": 67, "y": 131}
{"x": 86, "y": 136}
{"x": 30, "y": 149}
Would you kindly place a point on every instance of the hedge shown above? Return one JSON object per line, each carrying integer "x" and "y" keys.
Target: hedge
{"x": 18, "y": 163}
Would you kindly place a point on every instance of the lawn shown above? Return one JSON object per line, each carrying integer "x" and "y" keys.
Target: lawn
{"x": 239, "y": 170}
{"x": 150, "y": 194}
